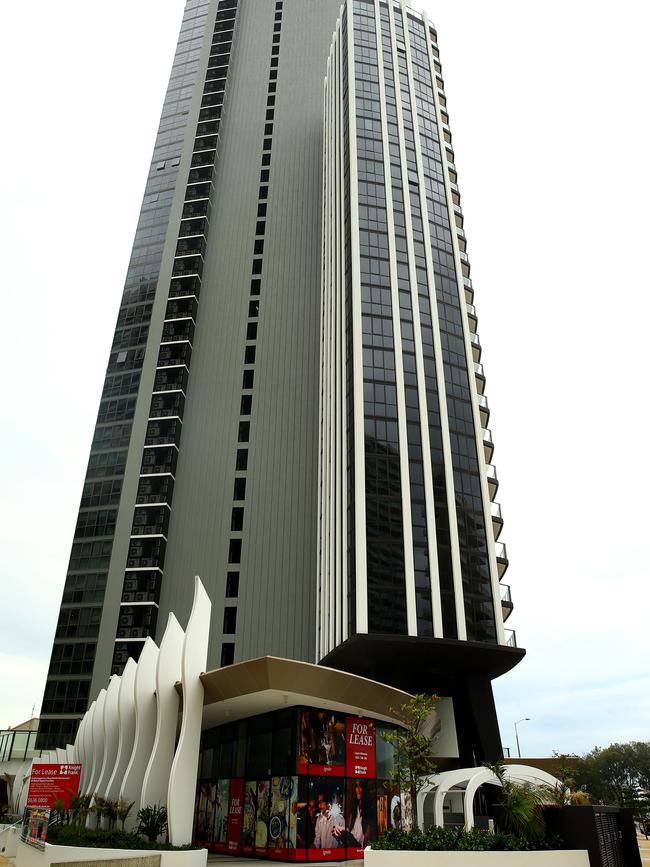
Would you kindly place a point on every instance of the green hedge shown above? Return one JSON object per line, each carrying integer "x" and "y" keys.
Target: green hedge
{"x": 455, "y": 839}
{"x": 74, "y": 835}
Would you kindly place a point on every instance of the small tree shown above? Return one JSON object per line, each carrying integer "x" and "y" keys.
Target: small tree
{"x": 123, "y": 810}
{"x": 110, "y": 813}
{"x": 152, "y": 822}
{"x": 98, "y": 807}
{"x": 414, "y": 763}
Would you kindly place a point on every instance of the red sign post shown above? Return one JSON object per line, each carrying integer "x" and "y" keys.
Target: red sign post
{"x": 360, "y": 742}
{"x": 235, "y": 817}
{"x": 51, "y": 783}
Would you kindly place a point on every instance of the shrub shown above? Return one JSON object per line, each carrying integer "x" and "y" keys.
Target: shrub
{"x": 152, "y": 821}
{"x": 69, "y": 835}
{"x": 455, "y": 839}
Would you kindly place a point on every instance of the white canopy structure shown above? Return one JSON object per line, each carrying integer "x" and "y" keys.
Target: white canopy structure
{"x": 467, "y": 782}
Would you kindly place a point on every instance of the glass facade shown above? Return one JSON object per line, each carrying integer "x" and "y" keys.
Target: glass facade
{"x": 70, "y": 672}
{"x": 427, "y": 566}
{"x": 298, "y": 784}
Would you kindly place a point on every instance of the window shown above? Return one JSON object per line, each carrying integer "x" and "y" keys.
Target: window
{"x": 260, "y": 227}
{"x": 259, "y": 247}
{"x": 257, "y": 266}
{"x": 251, "y": 331}
{"x": 246, "y": 404}
{"x": 255, "y": 289}
{"x": 254, "y": 308}
{"x": 232, "y": 584}
{"x": 227, "y": 654}
{"x": 229, "y": 620}
{"x": 266, "y": 161}
{"x": 237, "y": 522}
{"x": 239, "y": 491}
{"x": 244, "y": 431}
{"x": 248, "y": 378}
{"x": 249, "y": 355}
{"x": 261, "y": 208}
{"x": 234, "y": 552}
{"x": 264, "y": 176}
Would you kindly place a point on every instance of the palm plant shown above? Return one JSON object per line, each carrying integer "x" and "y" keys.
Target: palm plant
{"x": 520, "y": 807}
{"x": 123, "y": 810}
{"x": 153, "y": 822}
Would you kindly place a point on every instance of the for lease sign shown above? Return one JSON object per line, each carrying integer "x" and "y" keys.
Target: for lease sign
{"x": 51, "y": 783}
{"x": 360, "y": 738}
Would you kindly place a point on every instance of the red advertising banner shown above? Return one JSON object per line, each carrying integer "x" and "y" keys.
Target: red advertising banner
{"x": 360, "y": 743}
{"x": 50, "y": 783}
{"x": 235, "y": 817}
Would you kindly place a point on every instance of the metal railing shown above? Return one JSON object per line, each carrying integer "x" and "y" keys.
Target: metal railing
{"x": 18, "y": 745}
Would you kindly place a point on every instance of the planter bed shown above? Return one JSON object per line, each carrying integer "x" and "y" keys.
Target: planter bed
{"x": 401, "y": 858}
{"x": 30, "y": 856}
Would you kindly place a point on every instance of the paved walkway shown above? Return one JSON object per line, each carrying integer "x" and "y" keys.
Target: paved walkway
{"x": 644, "y": 849}
{"x": 240, "y": 862}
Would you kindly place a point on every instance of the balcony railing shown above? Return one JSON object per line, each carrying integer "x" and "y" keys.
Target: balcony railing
{"x": 511, "y": 637}
{"x": 506, "y": 602}
{"x": 18, "y": 745}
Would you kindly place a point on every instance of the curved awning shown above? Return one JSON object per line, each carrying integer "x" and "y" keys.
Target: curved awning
{"x": 269, "y": 683}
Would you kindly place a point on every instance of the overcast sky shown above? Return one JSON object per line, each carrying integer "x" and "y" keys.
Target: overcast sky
{"x": 548, "y": 106}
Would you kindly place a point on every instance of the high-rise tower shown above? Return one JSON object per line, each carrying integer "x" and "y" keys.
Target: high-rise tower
{"x": 293, "y": 404}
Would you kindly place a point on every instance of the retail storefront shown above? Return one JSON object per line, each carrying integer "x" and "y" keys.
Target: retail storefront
{"x": 298, "y": 784}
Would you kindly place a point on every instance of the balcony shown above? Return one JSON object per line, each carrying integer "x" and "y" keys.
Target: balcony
{"x": 479, "y": 375}
{"x": 502, "y": 559}
{"x": 484, "y": 409}
{"x": 506, "y": 602}
{"x": 469, "y": 290}
{"x": 488, "y": 445}
{"x": 497, "y": 520}
{"x": 511, "y": 637}
{"x": 493, "y": 481}
{"x": 471, "y": 315}
{"x": 476, "y": 346}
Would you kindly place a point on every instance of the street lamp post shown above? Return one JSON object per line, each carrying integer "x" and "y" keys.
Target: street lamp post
{"x": 524, "y": 719}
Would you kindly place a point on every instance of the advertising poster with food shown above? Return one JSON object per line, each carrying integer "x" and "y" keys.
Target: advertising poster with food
{"x": 327, "y": 837}
{"x": 220, "y": 825}
{"x": 301, "y": 817}
{"x": 281, "y": 791}
{"x": 235, "y": 817}
{"x": 360, "y": 741}
{"x": 322, "y": 743}
{"x": 34, "y": 830}
{"x": 249, "y": 818}
{"x": 360, "y": 815}
{"x": 262, "y": 819}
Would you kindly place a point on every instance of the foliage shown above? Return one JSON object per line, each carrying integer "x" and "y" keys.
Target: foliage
{"x": 97, "y": 807}
{"x": 152, "y": 821}
{"x": 618, "y": 774}
{"x": 414, "y": 764}
{"x": 71, "y": 835}
{"x": 455, "y": 839}
{"x": 123, "y": 809}
{"x": 110, "y": 813}
{"x": 79, "y": 809}
{"x": 520, "y": 806}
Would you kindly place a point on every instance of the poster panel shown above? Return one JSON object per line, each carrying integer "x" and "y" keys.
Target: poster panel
{"x": 389, "y": 806}
{"x": 235, "y": 817}
{"x": 220, "y": 826}
{"x": 301, "y": 819}
{"x": 360, "y": 815}
{"x": 249, "y": 818}
{"x": 321, "y": 743}
{"x": 327, "y": 839}
{"x": 204, "y": 815}
{"x": 360, "y": 740}
{"x": 34, "y": 830}
{"x": 279, "y": 816}
{"x": 53, "y": 782}
{"x": 262, "y": 818}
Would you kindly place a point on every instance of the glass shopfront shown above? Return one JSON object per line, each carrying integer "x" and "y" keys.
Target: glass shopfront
{"x": 299, "y": 784}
